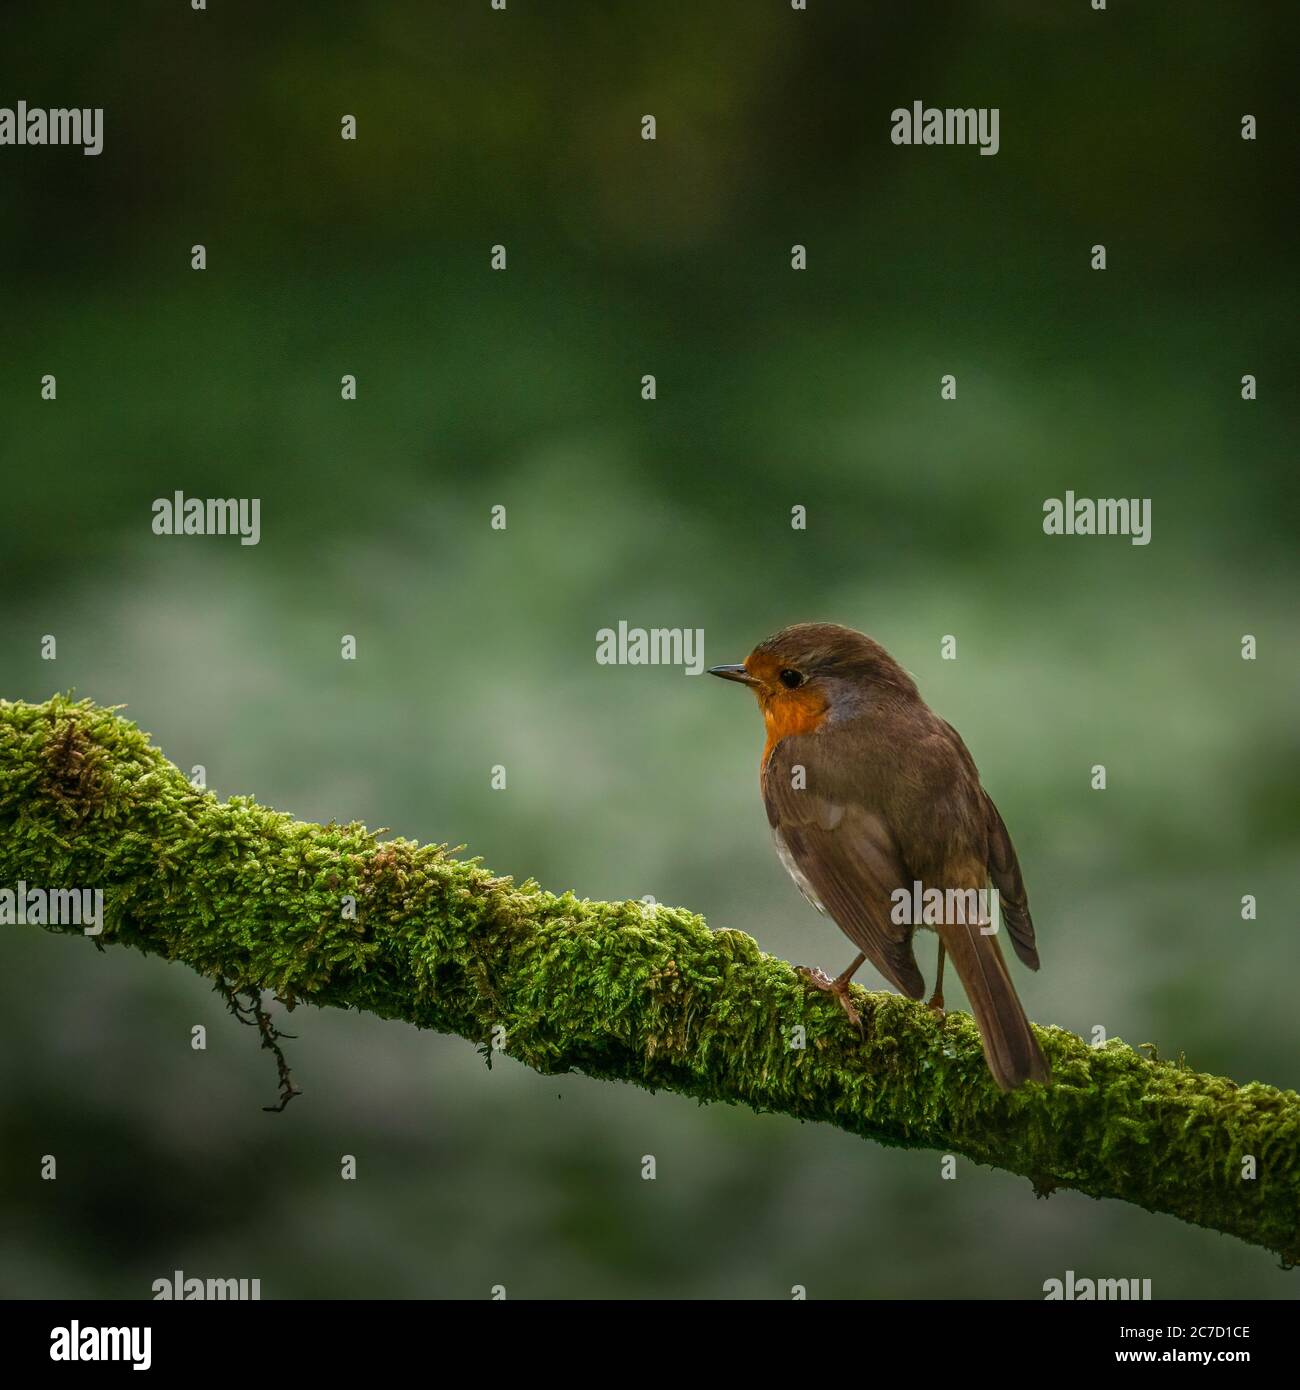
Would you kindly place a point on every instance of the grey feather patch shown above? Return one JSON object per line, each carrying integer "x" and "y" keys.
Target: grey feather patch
{"x": 795, "y": 872}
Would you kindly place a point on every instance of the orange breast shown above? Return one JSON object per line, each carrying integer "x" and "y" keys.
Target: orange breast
{"x": 792, "y": 712}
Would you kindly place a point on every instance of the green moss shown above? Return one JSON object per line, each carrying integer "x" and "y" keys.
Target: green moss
{"x": 651, "y": 996}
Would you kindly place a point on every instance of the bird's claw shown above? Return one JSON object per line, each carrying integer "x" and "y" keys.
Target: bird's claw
{"x": 819, "y": 979}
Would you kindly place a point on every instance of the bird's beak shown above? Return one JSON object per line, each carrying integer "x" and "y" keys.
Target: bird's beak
{"x": 733, "y": 673}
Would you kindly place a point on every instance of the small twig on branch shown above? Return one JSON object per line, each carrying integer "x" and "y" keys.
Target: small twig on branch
{"x": 255, "y": 1016}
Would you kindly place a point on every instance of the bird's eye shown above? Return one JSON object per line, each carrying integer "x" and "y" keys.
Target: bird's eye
{"x": 788, "y": 678}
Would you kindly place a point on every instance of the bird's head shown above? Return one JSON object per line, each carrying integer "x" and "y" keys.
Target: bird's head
{"x": 806, "y": 671}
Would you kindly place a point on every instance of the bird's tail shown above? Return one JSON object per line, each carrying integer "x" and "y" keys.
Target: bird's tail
{"x": 1010, "y": 1047}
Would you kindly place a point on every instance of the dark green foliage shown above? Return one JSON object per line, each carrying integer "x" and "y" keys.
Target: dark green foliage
{"x": 251, "y": 898}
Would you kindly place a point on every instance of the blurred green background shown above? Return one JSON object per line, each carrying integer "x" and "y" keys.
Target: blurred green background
{"x": 477, "y": 647}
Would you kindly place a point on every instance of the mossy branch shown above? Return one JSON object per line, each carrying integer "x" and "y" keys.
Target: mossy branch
{"x": 255, "y": 900}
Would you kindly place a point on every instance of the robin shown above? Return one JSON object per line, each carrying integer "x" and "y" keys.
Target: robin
{"x": 875, "y": 802}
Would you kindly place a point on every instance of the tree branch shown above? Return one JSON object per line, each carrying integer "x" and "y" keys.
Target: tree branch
{"x": 255, "y": 900}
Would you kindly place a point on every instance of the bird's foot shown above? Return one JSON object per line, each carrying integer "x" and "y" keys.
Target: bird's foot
{"x": 819, "y": 979}
{"x": 935, "y": 1005}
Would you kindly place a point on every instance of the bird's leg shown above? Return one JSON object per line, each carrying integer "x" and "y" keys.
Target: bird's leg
{"x": 936, "y": 999}
{"x": 839, "y": 987}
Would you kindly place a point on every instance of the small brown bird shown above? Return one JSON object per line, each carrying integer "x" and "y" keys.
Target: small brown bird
{"x": 874, "y": 802}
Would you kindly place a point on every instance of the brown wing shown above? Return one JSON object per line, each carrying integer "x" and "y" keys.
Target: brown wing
{"x": 1004, "y": 870}
{"x": 1003, "y": 866}
{"x": 845, "y": 860}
